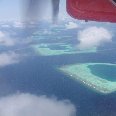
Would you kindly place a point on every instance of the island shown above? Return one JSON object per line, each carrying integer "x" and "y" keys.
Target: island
{"x": 59, "y": 49}
{"x": 100, "y": 77}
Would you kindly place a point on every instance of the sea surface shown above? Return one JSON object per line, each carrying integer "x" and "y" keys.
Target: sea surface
{"x": 103, "y": 71}
{"x": 38, "y": 75}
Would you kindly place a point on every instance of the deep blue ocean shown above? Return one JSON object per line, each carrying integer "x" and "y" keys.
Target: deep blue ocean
{"x": 38, "y": 75}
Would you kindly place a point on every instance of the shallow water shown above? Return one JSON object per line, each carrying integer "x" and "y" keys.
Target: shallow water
{"x": 107, "y": 72}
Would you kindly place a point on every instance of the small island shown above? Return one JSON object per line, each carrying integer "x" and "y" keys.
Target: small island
{"x": 59, "y": 49}
{"x": 100, "y": 77}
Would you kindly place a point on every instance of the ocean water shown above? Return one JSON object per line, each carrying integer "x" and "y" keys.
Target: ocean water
{"x": 38, "y": 75}
{"x": 107, "y": 72}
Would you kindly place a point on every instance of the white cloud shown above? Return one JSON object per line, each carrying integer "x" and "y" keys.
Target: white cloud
{"x": 47, "y": 32}
{"x": 18, "y": 24}
{"x": 6, "y": 40}
{"x": 8, "y": 58}
{"x": 5, "y": 26}
{"x": 31, "y": 105}
{"x": 93, "y": 37}
{"x": 71, "y": 25}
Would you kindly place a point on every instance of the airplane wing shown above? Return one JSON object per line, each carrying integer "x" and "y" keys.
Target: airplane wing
{"x": 96, "y": 10}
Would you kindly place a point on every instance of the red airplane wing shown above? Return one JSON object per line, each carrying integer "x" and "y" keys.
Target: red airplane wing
{"x": 96, "y": 10}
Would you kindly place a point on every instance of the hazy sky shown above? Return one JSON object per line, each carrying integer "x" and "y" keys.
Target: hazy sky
{"x": 12, "y": 9}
